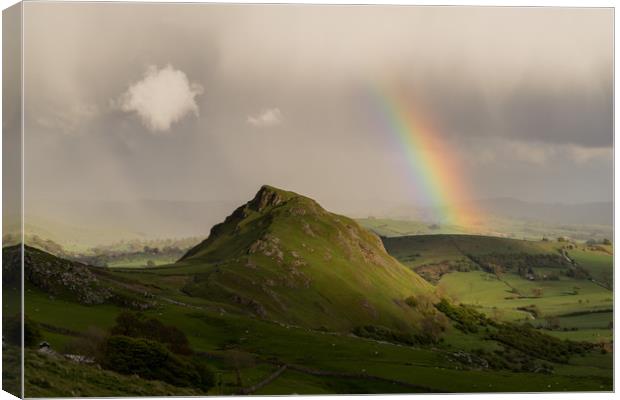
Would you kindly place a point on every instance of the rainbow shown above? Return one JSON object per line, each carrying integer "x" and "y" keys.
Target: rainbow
{"x": 433, "y": 164}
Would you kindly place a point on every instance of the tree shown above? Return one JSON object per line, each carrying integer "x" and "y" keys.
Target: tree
{"x": 138, "y": 326}
{"x": 152, "y": 360}
{"x": 150, "y": 263}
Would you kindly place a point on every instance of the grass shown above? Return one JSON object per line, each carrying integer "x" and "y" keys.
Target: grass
{"x": 393, "y": 228}
{"x": 599, "y": 264}
{"x": 494, "y": 295}
{"x": 492, "y": 226}
{"x": 214, "y": 333}
{"x": 332, "y": 272}
{"x": 54, "y": 376}
{"x": 141, "y": 262}
{"x": 42, "y": 308}
{"x": 285, "y": 283}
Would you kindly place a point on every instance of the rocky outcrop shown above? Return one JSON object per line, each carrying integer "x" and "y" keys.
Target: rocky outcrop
{"x": 68, "y": 279}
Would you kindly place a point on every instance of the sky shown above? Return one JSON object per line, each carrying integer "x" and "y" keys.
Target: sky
{"x": 189, "y": 102}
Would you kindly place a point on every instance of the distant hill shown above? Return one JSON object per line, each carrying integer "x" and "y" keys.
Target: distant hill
{"x": 281, "y": 256}
{"x": 78, "y": 225}
{"x": 600, "y": 213}
{"x": 594, "y": 213}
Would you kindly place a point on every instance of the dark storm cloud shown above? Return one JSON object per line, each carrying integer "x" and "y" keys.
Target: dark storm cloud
{"x": 282, "y": 98}
{"x": 579, "y": 113}
{"x": 569, "y": 114}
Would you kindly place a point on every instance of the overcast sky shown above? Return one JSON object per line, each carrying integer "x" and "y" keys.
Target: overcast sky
{"x": 208, "y": 102}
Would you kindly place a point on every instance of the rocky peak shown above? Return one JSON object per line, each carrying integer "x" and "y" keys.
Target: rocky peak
{"x": 267, "y": 197}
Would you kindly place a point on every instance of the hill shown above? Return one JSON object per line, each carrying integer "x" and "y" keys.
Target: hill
{"x": 70, "y": 280}
{"x": 281, "y": 256}
{"x": 592, "y": 213}
{"x": 599, "y": 213}
{"x": 561, "y": 286}
{"x": 473, "y": 353}
{"x": 493, "y": 226}
{"x": 80, "y": 225}
{"x": 55, "y": 376}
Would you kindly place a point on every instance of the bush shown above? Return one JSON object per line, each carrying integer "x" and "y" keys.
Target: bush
{"x": 537, "y": 344}
{"x": 138, "y": 326}
{"x": 411, "y": 301}
{"x": 466, "y": 319}
{"x": 152, "y": 360}
{"x": 384, "y": 334}
{"x": 519, "y": 263}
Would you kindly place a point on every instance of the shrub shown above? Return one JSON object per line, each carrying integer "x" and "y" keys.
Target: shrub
{"x": 152, "y": 360}
{"x": 537, "y": 344}
{"x": 465, "y": 318}
{"x": 384, "y": 334}
{"x": 137, "y": 326}
{"x": 518, "y": 262}
{"x": 411, "y": 302}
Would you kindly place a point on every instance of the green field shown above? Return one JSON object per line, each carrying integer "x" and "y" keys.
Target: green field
{"x": 141, "y": 262}
{"x": 285, "y": 297}
{"x": 493, "y": 226}
{"x": 214, "y": 333}
{"x": 578, "y": 309}
{"x": 596, "y": 262}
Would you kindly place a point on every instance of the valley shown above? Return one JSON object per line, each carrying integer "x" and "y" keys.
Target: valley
{"x": 285, "y": 297}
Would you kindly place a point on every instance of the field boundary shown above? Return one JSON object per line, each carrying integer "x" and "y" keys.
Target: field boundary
{"x": 318, "y": 372}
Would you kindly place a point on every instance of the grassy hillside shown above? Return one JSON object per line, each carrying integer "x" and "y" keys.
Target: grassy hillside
{"x": 261, "y": 346}
{"x": 55, "y": 376}
{"x": 282, "y": 252}
{"x": 284, "y": 297}
{"x": 71, "y": 280}
{"x": 517, "y": 280}
{"x": 493, "y": 226}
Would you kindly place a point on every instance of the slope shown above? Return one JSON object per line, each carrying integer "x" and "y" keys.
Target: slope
{"x": 282, "y": 257}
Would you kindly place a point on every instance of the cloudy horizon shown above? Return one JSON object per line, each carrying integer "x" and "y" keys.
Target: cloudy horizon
{"x": 207, "y": 102}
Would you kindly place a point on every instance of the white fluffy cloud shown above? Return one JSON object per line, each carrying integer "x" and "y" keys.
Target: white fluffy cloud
{"x": 268, "y": 117}
{"x": 164, "y": 96}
